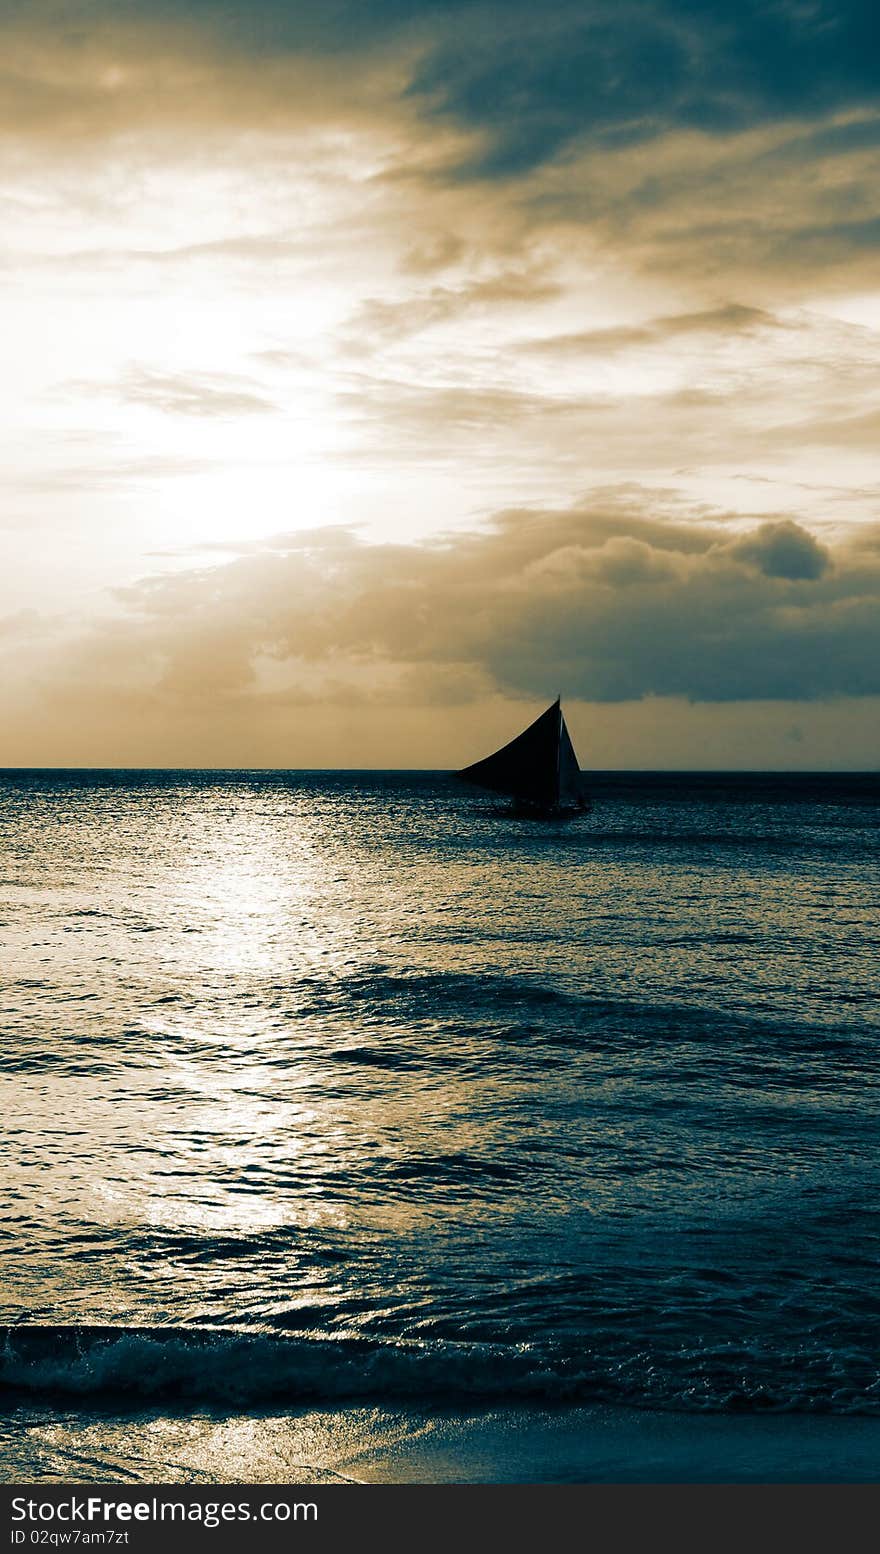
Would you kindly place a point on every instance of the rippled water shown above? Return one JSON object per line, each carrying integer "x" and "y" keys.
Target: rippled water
{"x": 348, "y": 1086}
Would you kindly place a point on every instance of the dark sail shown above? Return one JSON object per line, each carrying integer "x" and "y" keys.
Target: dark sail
{"x": 538, "y": 768}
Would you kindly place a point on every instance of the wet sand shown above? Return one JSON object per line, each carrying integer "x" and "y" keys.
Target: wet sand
{"x": 383, "y": 1446}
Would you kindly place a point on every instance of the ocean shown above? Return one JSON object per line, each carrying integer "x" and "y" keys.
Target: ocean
{"x": 348, "y": 1097}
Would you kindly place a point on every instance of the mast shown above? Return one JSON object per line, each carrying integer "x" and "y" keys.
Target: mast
{"x": 558, "y": 749}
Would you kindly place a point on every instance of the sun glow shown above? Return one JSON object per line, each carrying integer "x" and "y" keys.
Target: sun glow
{"x": 250, "y": 292}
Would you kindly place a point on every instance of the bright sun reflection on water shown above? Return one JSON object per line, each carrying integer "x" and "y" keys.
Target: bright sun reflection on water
{"x": 333, "y": 1055}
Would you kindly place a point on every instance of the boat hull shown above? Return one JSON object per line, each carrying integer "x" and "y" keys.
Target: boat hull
{"x": 529, "y": 811}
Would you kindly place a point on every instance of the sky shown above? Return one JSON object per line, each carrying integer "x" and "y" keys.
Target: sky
{"x": 375, "y": 370}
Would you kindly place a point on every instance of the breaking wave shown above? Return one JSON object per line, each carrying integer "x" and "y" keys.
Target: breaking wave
{"x": 249, "y": 1367}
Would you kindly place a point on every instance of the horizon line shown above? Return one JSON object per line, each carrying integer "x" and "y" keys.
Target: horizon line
{"x": 444, "y": 771}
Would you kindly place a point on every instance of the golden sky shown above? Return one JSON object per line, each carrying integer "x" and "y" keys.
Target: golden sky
{"x": 373, "y": 371}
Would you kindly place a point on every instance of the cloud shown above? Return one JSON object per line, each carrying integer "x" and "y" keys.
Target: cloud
{"x": 737, "y": 139}
{"x": 534, "y": 82}
{"x": 524, "y": 85}
{"x": 603, "y": 602}
{"x": 196, "y": 393}
{"x": 783, "y": 550}
{"x": 96, "y": 70}
{"x": 762, "y": 206}
{"x": 728, "y": 386}
{"x": 378, "y": 321}
{"x": 731, "y": 319}
{"x": 23, "y": 624}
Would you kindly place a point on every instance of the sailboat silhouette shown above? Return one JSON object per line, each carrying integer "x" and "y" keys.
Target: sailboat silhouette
{"x": 538, "y": 769}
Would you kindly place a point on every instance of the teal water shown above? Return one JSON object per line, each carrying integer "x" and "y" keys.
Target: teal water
{"x": 342, "y": 1086}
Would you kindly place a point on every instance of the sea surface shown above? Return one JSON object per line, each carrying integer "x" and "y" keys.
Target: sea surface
{"x": 350, "y": 1089}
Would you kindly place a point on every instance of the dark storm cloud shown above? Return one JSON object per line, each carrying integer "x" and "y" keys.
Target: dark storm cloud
{"x": 783, "y": 549}
{"x": 602, "y": 602}
{"x": 536, "y": 76}
{"x": 531, "y": 80}
{"x": 626, "y": 72}
{"x": 624, "y": 118}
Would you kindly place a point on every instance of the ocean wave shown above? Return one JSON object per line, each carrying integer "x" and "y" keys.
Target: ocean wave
{"x": 394, "y": 1022}
{"x": 251, "y": 1367}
